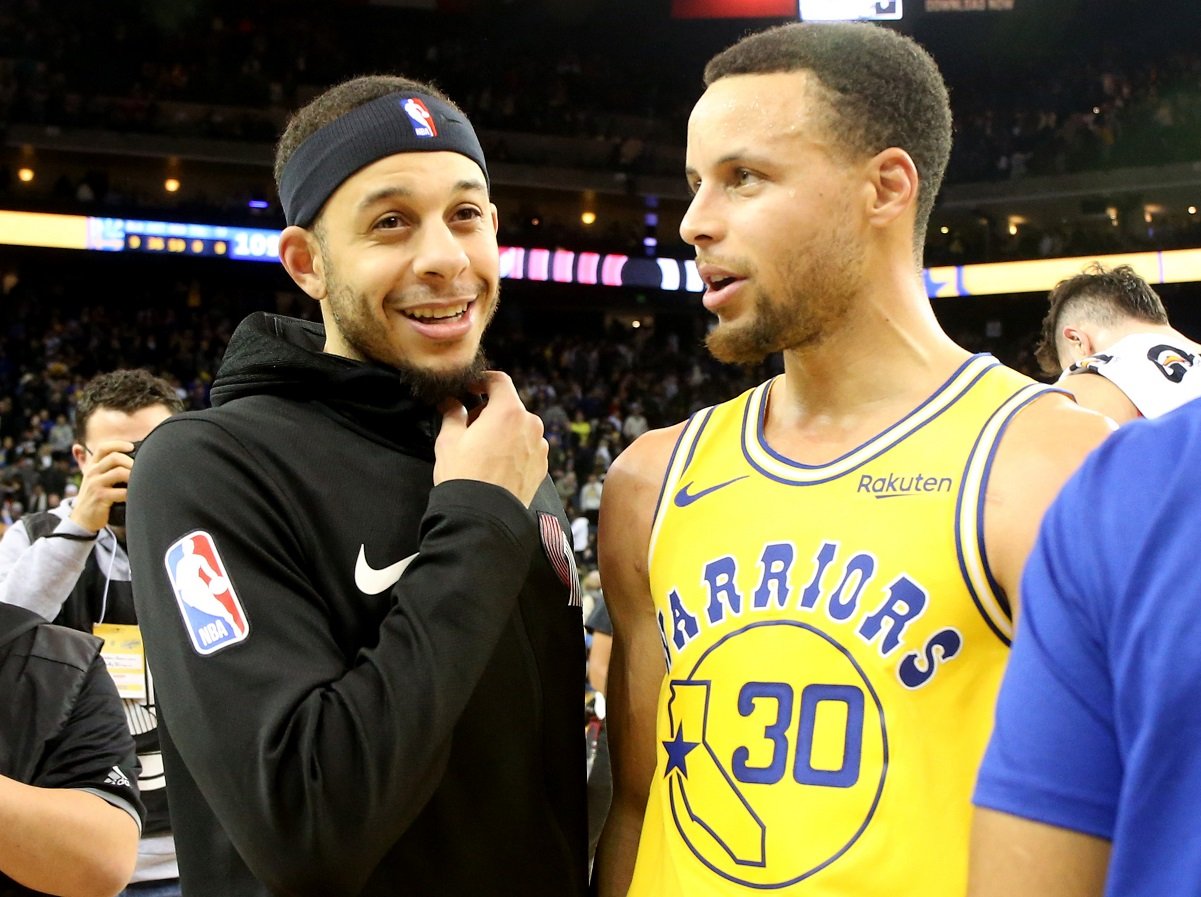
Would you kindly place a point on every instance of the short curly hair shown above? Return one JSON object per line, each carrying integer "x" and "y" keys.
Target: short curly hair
{"x": 1102, "y": 296}
{"x": 881, "y": 89}
{"x": 126, "y": 390}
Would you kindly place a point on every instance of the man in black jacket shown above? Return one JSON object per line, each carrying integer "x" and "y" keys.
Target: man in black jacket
{"x": 359, "y": 598}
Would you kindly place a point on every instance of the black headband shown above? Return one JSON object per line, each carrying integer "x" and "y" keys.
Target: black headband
{"x": 397, "y": 123}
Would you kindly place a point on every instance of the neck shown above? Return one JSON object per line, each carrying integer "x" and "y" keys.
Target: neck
{"x": 880, "y": 363}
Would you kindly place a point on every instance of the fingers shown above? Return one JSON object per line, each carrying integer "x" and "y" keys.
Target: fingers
{"x": 105, "y": 481}
{"x": 108, "y": 456}
{"x": 110, "y": 446}
{"x": 454, "y": 416}
{"x": 497, "y": 385}
{"x": 499, "y": 443}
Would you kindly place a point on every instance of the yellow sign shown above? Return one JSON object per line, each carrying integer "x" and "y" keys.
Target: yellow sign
{"x": 125, "y": 656}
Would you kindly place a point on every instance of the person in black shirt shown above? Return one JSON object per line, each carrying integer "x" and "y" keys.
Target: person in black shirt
{"x": 69, "y": 808}
{"x": 358, "y": 596}
{"x": 69, "y": 565}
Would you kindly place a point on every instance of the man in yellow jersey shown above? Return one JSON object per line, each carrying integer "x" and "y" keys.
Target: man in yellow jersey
{"x": 813, "y": 584}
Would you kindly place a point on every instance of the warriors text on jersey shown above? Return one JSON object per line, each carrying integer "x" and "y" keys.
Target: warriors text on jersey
{"x": 834, "y": 644}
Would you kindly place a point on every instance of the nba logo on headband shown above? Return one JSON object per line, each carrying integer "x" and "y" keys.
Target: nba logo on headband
{"x": 422, "y": 118}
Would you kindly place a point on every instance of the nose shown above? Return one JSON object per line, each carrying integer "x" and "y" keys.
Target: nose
{"x": 440, "y": 255}
{"x": 700, "y": 225}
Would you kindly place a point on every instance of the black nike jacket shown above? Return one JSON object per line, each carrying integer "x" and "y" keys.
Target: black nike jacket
{"x": 334, "y": 726}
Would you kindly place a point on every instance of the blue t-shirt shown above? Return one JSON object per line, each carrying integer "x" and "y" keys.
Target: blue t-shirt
{"x": 1099, "y": 717}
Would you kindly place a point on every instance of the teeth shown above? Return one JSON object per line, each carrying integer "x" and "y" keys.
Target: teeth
{"x": 432, "y": 314}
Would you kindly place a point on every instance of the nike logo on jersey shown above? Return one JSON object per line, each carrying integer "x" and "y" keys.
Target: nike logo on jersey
{"x": 684, "y": 498}
{"x": 371, "y": 581}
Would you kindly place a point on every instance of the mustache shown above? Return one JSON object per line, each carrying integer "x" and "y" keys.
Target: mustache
{"x": 416, "y": 295}
{"x": 741, "y": 267}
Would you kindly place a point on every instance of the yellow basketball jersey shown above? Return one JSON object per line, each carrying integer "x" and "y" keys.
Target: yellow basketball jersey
{"x": 834, "y": 643}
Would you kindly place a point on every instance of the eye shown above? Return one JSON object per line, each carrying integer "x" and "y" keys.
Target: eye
{"x": 694, "y": 185}
{"x": 467, "y": 213}
{"x": 744, "y": 176}
{"x": 391, "y": 221}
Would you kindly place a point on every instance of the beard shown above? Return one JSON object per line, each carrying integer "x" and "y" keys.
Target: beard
{"x": 820, "y": 283}
{"x": 433, "y": 386}
{"x": 368, "y": 339}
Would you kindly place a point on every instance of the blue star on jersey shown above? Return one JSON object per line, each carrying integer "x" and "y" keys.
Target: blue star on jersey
{"x": 677, "y": 750}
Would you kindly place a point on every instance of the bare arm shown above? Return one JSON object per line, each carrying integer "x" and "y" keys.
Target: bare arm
{"x": 1011, "y": 855}
{"x": 64, "y": 841}
{"x": 1043, "y": 446}
{"x": 637, "y": 666}
{"x": 598, "y": 660}
{"x": 1100, "y": 394}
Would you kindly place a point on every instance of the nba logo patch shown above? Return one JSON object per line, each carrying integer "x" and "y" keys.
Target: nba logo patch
{"x": 212, "y": 614}
{"x": 421, "y": 117}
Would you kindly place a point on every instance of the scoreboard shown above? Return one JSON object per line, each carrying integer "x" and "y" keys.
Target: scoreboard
{"x": 175, "y": 238}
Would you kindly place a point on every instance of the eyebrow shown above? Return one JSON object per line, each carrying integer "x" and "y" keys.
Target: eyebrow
{"x": 741, "y": 155}
{"x": 396, "y": 192}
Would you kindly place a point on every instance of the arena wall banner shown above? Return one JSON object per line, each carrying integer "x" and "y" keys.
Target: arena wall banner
{"x": 562, "y": 266}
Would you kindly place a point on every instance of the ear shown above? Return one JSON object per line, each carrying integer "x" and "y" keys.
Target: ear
{"x": 80, "y": 454}
{"x": 301, "y": 257}
{"x": 495, "y": 218}
{"x": 893, "y": 184}
{"x": 1080, "y": 344}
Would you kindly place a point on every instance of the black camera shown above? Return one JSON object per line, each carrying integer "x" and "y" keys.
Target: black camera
{"x": 116, "y": 513}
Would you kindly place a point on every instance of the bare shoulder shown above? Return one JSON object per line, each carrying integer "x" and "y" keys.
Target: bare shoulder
{"x": 631, "y": 491}
{"x": 1043, "y": 445}
{"x": 645, "y": 460}
{"x": 1053, "y": 433}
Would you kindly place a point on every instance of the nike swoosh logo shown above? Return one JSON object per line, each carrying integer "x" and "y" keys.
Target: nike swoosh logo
{"x": 371, "y": 581}
{"x": 684, "y": 498}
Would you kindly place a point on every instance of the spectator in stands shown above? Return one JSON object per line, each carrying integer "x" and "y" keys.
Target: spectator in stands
{"x": 635, "y": 423}
{"x": 590, "y": 497}
{"x": 566, "y": 484}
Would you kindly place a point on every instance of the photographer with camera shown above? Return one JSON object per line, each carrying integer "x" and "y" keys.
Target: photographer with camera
{"x": 69, "y": 565}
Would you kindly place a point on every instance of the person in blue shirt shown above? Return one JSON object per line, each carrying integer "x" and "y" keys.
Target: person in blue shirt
{"x": 1091, "y": 781}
